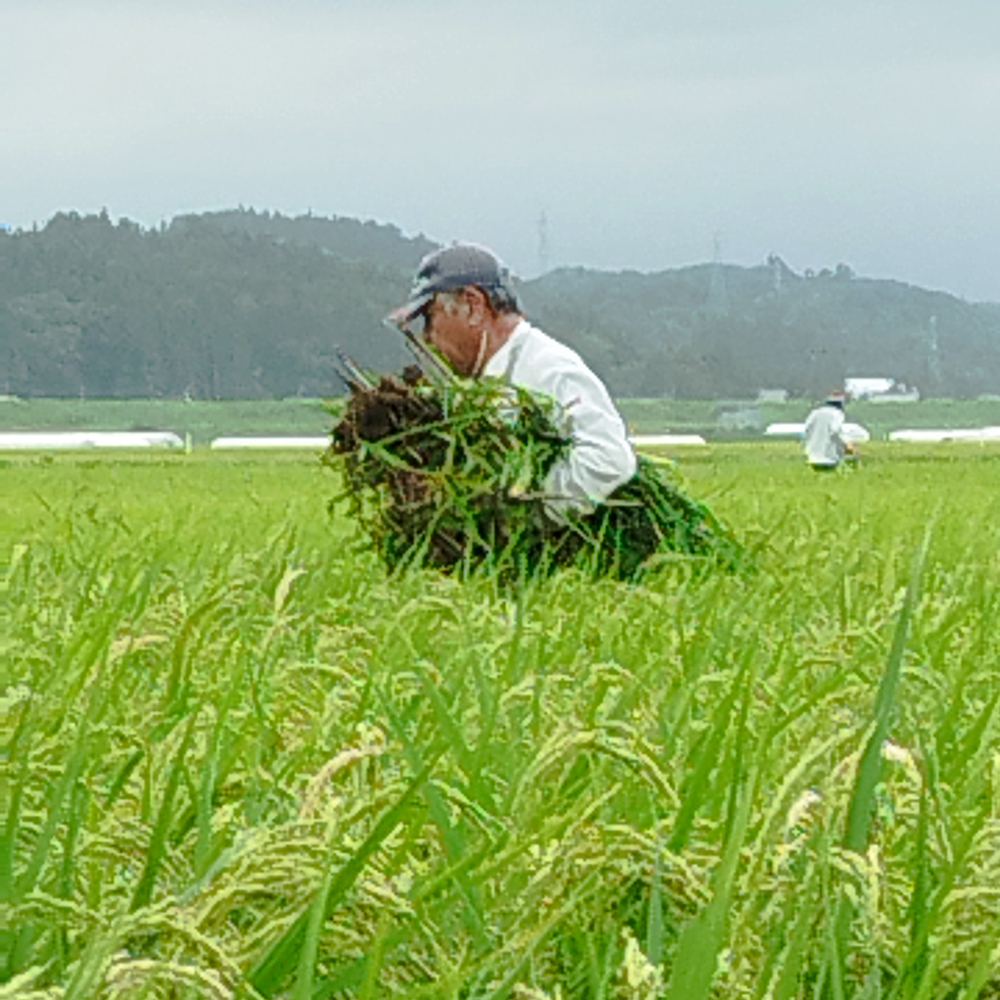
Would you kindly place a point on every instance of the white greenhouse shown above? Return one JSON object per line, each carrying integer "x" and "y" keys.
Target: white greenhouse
{"x": 928, "y": 435}
{"x": 226, "y": 443}
{"x": 852, "y": 432}
{"x": 84, "y": 440}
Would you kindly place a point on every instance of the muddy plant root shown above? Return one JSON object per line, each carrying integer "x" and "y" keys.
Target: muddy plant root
{"x": 453, "y": 476}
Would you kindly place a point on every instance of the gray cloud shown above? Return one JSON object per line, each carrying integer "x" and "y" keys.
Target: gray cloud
{"x": 859, "y": 131}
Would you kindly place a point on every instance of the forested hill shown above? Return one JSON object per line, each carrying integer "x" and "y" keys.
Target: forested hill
{"x": 201, "y": 308}
{"x": 716, "y": 330}
{"x": 349, "y": 238}
{"x": 246, "y": 304}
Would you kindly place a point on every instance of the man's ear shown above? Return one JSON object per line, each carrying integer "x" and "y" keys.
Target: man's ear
{"x": 479, "y": 305}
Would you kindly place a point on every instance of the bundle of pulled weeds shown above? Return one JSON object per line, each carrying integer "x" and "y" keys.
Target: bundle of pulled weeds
{"x": 452, "y": 475}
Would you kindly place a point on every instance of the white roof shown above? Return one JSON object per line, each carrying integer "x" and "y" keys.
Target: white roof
{"x": 865, "y": 386}
{"x": 318, "y": 443}
{"x": 48, "y": 440}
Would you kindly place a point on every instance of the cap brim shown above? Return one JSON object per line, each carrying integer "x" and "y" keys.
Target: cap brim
{"x": 405, "y": 313}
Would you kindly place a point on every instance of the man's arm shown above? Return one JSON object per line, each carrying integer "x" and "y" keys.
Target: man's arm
{"x": 601, "y": 458}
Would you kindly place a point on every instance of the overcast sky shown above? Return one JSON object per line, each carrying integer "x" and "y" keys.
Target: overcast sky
{"x": 650, "y": 134}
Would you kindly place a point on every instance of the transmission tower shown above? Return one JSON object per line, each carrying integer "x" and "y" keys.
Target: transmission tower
{"x": 933, "y": 350}
{"x": 543, "y": 243}
{"x": 718, "y": 293}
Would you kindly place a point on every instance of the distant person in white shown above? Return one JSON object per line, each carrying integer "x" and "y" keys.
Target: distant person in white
{"x": 464, "y": 304}
{"x": 825, "y": 444}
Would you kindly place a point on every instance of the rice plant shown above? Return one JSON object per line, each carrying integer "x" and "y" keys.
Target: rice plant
{"x": 250, "y": 764}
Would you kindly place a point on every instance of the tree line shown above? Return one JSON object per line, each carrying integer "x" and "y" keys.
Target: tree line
{"x": 244, "y": 304}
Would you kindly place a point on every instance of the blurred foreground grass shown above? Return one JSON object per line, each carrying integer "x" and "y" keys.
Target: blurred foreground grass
{"x": 241, "y": 762}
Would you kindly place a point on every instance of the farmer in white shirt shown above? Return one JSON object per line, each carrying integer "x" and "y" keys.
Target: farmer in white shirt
{"x": 825, "y": 444}
{"x": 464, "y": 304}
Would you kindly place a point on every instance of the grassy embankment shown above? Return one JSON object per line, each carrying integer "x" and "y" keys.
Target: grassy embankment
{"x": 208, "y": 419}
{"x": 242, "y": 762}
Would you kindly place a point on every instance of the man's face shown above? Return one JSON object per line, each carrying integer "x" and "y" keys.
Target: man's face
{"x": 448, "y": 327}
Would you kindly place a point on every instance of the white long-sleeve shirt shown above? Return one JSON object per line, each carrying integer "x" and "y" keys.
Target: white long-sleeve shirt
{"x": 824, "y": 436}
{"x": 600, "y": 458}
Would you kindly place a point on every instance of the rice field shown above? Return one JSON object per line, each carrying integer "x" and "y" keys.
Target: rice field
{"x": 242, "y": 762}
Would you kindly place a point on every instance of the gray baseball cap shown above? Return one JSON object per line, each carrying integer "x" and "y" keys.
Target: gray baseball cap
{"x": 452, "y": 267}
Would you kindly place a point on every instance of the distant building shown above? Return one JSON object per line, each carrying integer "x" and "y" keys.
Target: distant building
{"x": 772, "y": 396}
{"x": 863, "y": 388}
{"x": 5, "y": 227}
{"x": 881, "y": 390}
